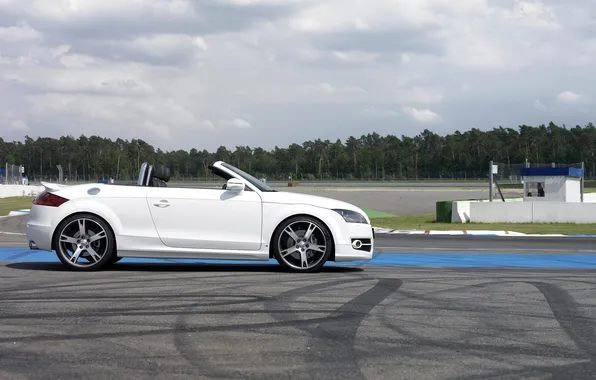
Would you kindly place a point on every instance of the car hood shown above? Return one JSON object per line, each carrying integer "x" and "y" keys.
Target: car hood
{"x": 313, "y": 200}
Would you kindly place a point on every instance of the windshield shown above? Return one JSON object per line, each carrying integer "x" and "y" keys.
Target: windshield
{"x": 255, "y": 182}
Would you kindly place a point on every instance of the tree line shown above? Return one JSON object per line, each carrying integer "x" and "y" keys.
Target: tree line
{"x": 460, "y": 155}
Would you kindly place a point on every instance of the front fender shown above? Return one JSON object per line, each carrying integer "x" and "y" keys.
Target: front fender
{"x": 274, "y": 214}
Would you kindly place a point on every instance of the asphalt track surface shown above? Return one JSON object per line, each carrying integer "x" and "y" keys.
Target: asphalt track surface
{"x": 429, "y": 307}
{"x": 399, "y": 201}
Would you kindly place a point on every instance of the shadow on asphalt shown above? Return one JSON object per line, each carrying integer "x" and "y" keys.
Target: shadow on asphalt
{"x": 175, "y": 267}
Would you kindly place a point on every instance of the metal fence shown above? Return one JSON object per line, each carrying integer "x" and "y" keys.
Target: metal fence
{"x": 510, "y": 174}
{"x": 11, "y": 175}
{"x": 507, "y": 173}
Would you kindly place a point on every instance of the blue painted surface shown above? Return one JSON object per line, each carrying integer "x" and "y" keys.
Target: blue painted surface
{"x": 546, "y": 172}
{"x": 383, "y": 259}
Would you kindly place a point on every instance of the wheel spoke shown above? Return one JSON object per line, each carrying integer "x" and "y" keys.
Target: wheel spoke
{"x": 292, "y": 234}
{"x": 75, "y": 255}
{"x": 303, "y": 260}
{"x": 309, "y": 231}
{"x": 288, "y": 251}
{"x": 93, "y": 254}
{"x": 67, "y": 239}
{"x": 82, "y": 231}
{"x": 317, "y": 248}
{"x": 97, "y": 236}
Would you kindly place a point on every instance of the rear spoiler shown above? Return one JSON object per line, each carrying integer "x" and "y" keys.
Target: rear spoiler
{"x": 52, "y": 186}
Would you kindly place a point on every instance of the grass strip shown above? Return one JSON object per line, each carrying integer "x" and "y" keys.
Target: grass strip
{"x": 402, "y": 222}
{"x": 14, "y": 203}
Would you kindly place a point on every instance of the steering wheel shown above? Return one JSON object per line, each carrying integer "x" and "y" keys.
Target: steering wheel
{"x": 225, "y": 186}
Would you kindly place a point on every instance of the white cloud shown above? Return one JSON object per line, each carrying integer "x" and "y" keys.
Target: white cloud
{"x": 327, "y": 88}
{"x": 19, "y": 33}
{"x": 183, "y": 73}
{"x": 19, "y": 125}
{"x": 533, "y": 14}
{"x": 325, "y": 92}
{"x": 568, "y": 97}
{"x": 374, "y": 112}
{"x": 538, "y": 105}
{"x": 207, "y": 124}
{"x": 422, "y": 115}
{"x": 237, "y": 123}
{"x": 423, "y": 95}
{"x": 356, "y": 56}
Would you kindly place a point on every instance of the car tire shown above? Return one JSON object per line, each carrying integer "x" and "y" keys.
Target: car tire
{"x": 297, "y": 252}
{"x": 88, "y": 237}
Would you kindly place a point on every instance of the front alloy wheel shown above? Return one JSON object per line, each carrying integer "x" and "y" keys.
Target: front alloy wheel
{"x": 85, "y": 242}
{"x": 302, "y": 244}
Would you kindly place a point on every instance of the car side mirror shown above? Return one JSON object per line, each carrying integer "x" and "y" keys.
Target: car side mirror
{"x": 234, "y": 184}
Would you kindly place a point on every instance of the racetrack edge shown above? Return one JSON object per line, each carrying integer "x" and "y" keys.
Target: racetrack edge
{"x": 389, "y": 231}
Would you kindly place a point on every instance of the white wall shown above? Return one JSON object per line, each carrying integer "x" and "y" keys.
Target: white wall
{"x": 533, "y": 212}
{"x": 573, "y": 190}
{"x": 460, "y": 211}
{"x": 19, "y": 190}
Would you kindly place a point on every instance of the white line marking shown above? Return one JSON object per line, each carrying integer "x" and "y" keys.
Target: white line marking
{"x": 12, "y": 233}
{"x": 488, "y": 249}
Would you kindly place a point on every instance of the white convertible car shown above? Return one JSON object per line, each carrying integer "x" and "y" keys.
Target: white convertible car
{"x": 92, "y": 225}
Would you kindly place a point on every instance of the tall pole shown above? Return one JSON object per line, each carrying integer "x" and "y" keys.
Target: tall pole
{"x": 490, "y": 181}
{"x": 581, "y": 182}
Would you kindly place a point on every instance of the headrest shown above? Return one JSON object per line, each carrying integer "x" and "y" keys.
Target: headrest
{"x": 161, "y": 172}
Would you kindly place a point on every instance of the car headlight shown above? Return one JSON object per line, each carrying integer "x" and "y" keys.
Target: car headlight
{"x": 351, "y": 216}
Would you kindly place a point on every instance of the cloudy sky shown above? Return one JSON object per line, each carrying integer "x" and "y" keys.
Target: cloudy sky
{"x": 204, "y": 73}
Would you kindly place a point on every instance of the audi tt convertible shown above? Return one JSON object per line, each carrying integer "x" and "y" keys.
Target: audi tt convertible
{"x": 93, "y": 225}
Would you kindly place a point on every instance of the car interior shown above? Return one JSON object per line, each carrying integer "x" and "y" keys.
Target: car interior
{"x": 159, "y": 175}
{"x": 154, "y": 175}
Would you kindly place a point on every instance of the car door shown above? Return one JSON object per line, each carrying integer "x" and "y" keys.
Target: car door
{"x": 210, "y": 219}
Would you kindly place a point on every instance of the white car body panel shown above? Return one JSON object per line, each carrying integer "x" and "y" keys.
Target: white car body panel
{"x": 196, "y": 223}
{"x": 210, "y": 219}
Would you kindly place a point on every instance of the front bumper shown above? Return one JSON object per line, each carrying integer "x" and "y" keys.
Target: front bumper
{"x": 361, "y": 246}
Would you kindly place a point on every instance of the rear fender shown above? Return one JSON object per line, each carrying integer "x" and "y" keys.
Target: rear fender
{"x": 93, "y": 207}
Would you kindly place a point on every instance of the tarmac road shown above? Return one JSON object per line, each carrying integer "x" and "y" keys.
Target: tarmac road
{"x": 12, "y": 230}
{"x": 399, "y": 201}
{"x": 366, "y": 321}
{"x": 484, "y": 244}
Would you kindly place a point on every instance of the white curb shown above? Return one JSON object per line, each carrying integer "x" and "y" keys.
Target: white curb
{"x": 389, "y": 231}
{"x": 19, "y": 212}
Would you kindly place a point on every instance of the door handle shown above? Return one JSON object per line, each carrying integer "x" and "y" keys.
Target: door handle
{"x": 162, "y": 204}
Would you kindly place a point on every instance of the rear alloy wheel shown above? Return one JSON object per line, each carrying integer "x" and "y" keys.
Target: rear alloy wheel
{"x": 302, "y": 244}
{"x": 85, "y": 242}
